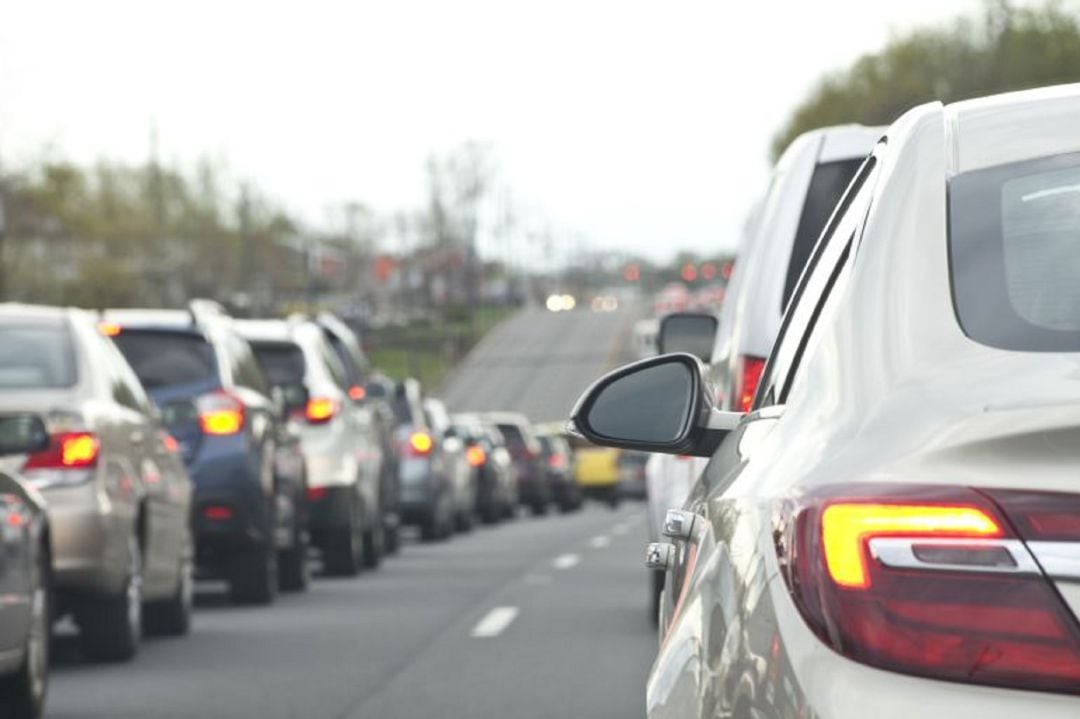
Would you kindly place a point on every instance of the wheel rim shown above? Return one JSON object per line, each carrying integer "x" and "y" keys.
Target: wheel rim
{"x": 38, "y": 642}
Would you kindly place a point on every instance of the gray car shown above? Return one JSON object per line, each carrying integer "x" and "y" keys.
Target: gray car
{"x": 119, "y": 498}
{"x": 892, "y": 530}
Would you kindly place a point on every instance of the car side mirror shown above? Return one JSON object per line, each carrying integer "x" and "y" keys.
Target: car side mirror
{"x": 22, "y": 434}
{"x": 692, "y": 332}
{"x": 661, "y": 404}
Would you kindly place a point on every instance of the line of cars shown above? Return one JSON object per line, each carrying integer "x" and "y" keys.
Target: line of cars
{"x": 142, "y": 450}
{"x": 881, "y": 512}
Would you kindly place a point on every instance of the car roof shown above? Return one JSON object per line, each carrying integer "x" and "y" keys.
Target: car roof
{"x": 507, "y": 418}
{"x": 18, "y": 309}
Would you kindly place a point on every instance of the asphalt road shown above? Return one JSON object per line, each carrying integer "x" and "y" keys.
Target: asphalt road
{"x": 535, "y": 618}
{"x": 539, "y": 362}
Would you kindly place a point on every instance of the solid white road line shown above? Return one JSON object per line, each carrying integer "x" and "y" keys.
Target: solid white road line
{"x": 495, "y": 622}
{"x": 599, "y": 542}
{"x": 566, "y": 561}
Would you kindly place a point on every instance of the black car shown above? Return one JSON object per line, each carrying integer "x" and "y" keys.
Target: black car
{"x": 217, "y": 402}
{"x": 534, "y": 483}
{"x": 556, "y": 455}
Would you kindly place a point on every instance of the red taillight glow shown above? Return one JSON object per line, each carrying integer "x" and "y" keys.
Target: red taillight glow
{"x": 845, "y": 529}
{"x": 750, "y": 370}
{"x": 170, "y": 443}
{"x": 965, "y": 611}
{"x": 67, "y": 450}
{"x": 320, "y": 410}
{"x": 420, "y": 443}
{"x": 357, "y": 392}
{"x": 557, "y": 461}
{"x": 220, "y": 413}
{"x": 218, "y": 513}
{"x": 316, "y": 494}
{"x": 476, "y": 456}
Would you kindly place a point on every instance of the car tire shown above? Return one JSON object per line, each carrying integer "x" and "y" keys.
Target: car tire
{"x": 343, "y": 550}
{"x": 538, "y": 509}
{"x": 22, "y": 694}
{"x": 294, "y": 575}
{"x": 110, "y": 627}
{"x": 374, "y": 546}
{"x": 253, "y": 579}
{"x": 463, "y": 521}
{"x": 172, "y": 617}
{"x": 392, "y": 539}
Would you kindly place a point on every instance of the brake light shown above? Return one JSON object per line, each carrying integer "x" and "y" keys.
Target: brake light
{"x": 67, "y": 450}
{"x": 420, "y": 444}
{"x": 220, "y": 413}
{"x": 929, "y": 581}
{"x": 748, "y": 377}
{"x": 320, "y": 410}
{"x": 557, "y": 461}
{"x": 476, "y": 456}
{"x": 170, "y": 443}
{"x": 218, "y": 513}
{"x": 316, "y": 494}
{"x": 357, "y": 392}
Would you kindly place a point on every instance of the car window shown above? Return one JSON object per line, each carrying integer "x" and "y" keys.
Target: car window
{"x": 36, "y": 354}
{"x": 127, "y": 390}
{"x": 333, "y": 364}
{"x": 165, "y": 359}
{"x": 246, "y": 371}
{"x": 827, "y": 261}
{"x": 827, "y": 186}
{"x": 283, "y": 363}
{"x": 1014, "y": 243}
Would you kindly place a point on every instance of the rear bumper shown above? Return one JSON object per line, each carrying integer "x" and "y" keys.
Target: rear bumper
{"x": 230, "y": 509}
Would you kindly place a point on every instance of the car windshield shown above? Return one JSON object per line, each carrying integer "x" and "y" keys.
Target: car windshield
{"x": 36, "y": 354}
{"x": 1015, "y": 249}
{"x": 282, "y": 362}
{"x": 165, "y": 359}
{"x": 827, "y": 185}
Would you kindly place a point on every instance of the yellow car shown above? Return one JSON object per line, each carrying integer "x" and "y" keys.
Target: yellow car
{"x": 596, "y": 470}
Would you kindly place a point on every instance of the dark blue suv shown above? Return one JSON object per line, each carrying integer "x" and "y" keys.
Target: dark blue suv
{"x": 216, "y": 402}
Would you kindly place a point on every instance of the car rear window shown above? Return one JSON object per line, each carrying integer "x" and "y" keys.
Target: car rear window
{"x": 282, "y": 362}
{"x": 513, "y": 435}
{"x": 1014, "y": 245}
{"x": 827, "y": 186}
{"x": 165, "y": 359}
{"x": 36, "y": 354}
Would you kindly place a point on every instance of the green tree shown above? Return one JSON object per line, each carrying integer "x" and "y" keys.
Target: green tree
{"x": 1006, "y": 48}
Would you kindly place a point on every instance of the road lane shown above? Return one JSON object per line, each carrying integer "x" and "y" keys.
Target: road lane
{"x": 399, "y": 642}
{"x": 539, "y": 362}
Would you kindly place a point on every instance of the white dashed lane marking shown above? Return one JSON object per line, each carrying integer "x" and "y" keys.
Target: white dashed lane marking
{"x": 495, "y": 622}
{"x": 599, "y": 542}
{"x": 566, "y": 561}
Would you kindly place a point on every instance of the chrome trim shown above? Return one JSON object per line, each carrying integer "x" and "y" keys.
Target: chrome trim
{"x": 1060, "y": 560}
{"x": 678, "y": 524}
{"x": 660, "y": 556}
{"x": 900, "y": 553}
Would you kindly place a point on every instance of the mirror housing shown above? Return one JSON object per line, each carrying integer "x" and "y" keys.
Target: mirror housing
{"x": 660, "y": 404}
{"x": 690, "y": 332}
{"x": 22, "y": 434}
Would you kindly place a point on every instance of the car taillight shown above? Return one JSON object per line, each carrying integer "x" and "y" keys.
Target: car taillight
{"x": 316, "y": 494}
{"x": 320, "y": 410}
{"x": 926, "y": 580}
{"x": 557, "y": 461}
{"x": 67, "y": 450}
{"x": 419, "y": 444}
{"x": 220, "y": 413}
{"x": 357, "y": 392}
{"x": 476, "y": 456}
{"x": 748, "y": 377}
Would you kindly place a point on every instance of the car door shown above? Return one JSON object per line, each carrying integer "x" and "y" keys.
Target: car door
{"x": 717, "y": 577}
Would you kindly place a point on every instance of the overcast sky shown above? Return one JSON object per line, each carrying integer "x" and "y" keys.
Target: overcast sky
{"x": 638, "y": 125}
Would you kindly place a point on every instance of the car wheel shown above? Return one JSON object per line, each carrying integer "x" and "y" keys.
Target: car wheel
{"x": 343, "y": 549}
{"x": 293, "y": 572}
{"x": 110, "y": 627}
{"x": 392, "y": 539}
{"x": 538, "y": 509}
{"x": 22, "y": 694}
{"x": 374, "y": 546}
{"x": 463, "y": 522}
{"x": 254, "y": 576}
{"x": 172, "y": 617}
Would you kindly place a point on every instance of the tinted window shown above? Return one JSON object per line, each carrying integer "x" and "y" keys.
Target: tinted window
{"x": 1014, "y": 237}
{"x": 348, "y": 362}
{"x": 513, "y": 436}
{"x": 36, "y": 354}
{"x": 281, "y": 362}
{"x": 162, "y": 359}
{"x": 246, "y": 371}
{"x": 827, "y": 186}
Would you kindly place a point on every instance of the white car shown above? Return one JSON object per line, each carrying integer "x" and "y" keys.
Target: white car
{"x": 894, "y": 529}
{"x": 805, "y": 186}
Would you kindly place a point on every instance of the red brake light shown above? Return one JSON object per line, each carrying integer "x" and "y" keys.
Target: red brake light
{"x": 929, "y": 581}
{"x": 320, "y": 410}
{"x": 218, "y": 513}
{"x": 357, "y": 392}
{"x": 749, "y": 375}
{"x": 557, "y": 461}
{"x": 420, "y": 444}
{"x": 476, "y": 456}
{"x": 316, "y": 494}
{"x": 220, "y": 413}
{"x": 171, "y": 445}
{"x": 67, "y": 450}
